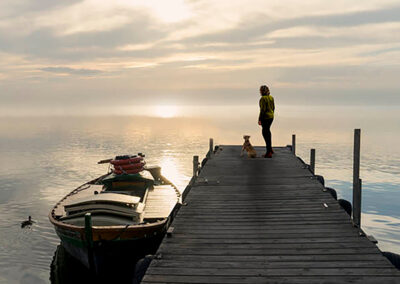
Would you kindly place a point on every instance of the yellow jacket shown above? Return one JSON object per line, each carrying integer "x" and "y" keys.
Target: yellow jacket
{"x": 267, "y": 107}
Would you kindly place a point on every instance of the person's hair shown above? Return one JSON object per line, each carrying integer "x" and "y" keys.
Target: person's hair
{"x": 264, "y": 90}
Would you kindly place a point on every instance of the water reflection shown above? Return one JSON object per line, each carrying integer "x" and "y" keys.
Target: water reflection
{"x": 43, "y": 159}
{"x": 65, "y": 269}
{"x": 39, "y": 168}
{"x": 386, "y": 229}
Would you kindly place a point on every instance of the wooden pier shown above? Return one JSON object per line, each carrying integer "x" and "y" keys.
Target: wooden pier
{"x": 264, "y": 221}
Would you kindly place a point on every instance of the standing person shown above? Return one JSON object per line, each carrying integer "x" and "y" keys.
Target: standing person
{"x": 267, "y": 108}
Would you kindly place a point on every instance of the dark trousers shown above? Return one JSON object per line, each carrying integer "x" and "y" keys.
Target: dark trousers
{"x": 266, "y": 132}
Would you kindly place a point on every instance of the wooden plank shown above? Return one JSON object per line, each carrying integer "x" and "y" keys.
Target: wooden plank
{"x": 267, "y": 181}
{"x": 387, "y": 279}
{"x": 262, "y": 221}
{"x": 261, "y": 208}
{"x": 296, "y": 246}
{"x": 272, "y": 227}
{"x": 259, "y": 174}
{"x": 272, "y": 248}
{"x": 269, "y": 235}
{"x": 370, "y": 256}
{"x": 257, "y": 223}
{"x": 257, "y": 207}
{"x": 271, "y": 265}
{"x": 264, "y": 252}
{"x": 253, "y": 194}
{"x": 281, "y": 187}
{"x": 240, "y": 205}
{"x": 233, "y": 196}
{"x": 182, "y": 239}
{"x": 282, "y": 272}
{"x": 331, "y": 215}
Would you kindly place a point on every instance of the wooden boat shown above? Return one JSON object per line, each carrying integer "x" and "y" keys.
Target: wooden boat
{"x": 116, "y": 217}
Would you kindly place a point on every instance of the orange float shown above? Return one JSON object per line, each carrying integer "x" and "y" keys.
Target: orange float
{"x": 129, "y": 166}
{"x": 128, "y": 161}
{"x": 133, "y": 171}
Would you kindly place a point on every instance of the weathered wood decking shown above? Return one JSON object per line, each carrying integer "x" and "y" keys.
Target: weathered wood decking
{"x": 264, "y": 221}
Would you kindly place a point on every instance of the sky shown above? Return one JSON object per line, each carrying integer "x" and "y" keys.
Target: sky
{"x": 79, "y": 55}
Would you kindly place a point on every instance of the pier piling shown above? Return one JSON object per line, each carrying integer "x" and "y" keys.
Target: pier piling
{"x": 312, "y": 160}
{"x": 356, "y": 179}
{"x": 294, "y": 144}
{"x": 89, "y": 240}
{"x": 195, "y": 165}
{"x": 211, "y": 148}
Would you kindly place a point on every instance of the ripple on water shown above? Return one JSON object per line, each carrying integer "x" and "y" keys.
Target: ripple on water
{"x": 385, "y": 229}
{"x": 59, "y": 154}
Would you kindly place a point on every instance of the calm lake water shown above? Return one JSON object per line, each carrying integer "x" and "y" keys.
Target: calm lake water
{"x": 44, "y": 158}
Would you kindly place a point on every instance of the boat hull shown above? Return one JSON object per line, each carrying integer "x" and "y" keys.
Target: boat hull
{"x": 128, "y": 245}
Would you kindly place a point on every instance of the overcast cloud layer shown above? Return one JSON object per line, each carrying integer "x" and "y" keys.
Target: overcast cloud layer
{"x": 93, "y": 53}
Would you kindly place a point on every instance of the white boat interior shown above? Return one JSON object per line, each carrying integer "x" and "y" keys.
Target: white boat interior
{"x": 115, "y": 208}
{"x": 105, "y": 203}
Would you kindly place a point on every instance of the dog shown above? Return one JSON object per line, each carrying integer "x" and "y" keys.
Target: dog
{"x": 251, "y": 152}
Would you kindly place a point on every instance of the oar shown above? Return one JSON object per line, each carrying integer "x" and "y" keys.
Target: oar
{"x": 104, "y": 161}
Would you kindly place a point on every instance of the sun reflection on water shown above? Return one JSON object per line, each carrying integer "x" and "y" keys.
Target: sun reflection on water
{"x": 170, "y": 168}
{"x": 165, "y": 111}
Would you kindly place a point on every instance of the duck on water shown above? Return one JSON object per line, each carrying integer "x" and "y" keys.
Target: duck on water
{"x": 27, "y": 223}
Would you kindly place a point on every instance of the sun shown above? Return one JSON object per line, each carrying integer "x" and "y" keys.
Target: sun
{"x": 165, "y": 111}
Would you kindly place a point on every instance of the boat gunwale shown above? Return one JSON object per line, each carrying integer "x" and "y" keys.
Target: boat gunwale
{"x": 99, "y": 229}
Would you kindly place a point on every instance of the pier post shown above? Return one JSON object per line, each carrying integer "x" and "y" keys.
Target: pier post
{"x": 195, "y": 165}
{"x": 294, "y": 144}
{"x": 356, "y": 179}
{"x": 211, "y": 148}
{"x": 89, "y": 240}
{"x": 358, "y": 203}
{"x": 312, "y": 160}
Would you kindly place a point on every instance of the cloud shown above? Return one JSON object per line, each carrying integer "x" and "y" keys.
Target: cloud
{"x": 252, "y": 29}
{"x": 71, "y": 71}
{"x": 14, "y": 8}
{"x": 95, "y": 52}
{"x": 62, "y": 36}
